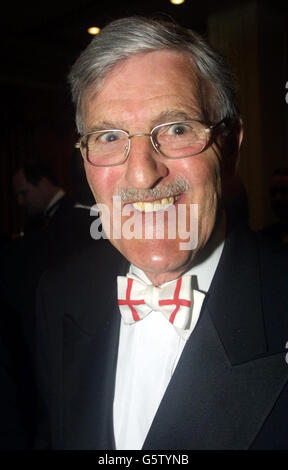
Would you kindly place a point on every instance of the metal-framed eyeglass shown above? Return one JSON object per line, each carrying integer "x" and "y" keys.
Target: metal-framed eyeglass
{"x": 178, "y": 139}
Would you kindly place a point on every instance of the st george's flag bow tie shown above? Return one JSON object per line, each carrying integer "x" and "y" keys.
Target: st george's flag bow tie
{"x": 178, "y": 302}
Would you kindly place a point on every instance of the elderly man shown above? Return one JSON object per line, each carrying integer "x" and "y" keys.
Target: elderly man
{"x": 197, "y": 358}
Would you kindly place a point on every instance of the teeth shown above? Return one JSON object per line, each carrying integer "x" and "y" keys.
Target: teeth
{"x": 159, "y": 205}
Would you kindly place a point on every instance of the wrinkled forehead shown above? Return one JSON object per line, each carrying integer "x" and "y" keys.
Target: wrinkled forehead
{"x": 179, "y": 58}
{"x": 152, "y": 73}
{"x": 172, "y": 63}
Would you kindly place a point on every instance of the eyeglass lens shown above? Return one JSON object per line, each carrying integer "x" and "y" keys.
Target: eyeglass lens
{"x": 174, "y": 140}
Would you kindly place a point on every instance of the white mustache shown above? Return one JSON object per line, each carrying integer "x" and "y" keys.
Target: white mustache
{"x": 180, "y": 185}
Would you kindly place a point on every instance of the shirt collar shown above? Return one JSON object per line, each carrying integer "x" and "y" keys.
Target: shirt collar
{"x": 55, "y": 198}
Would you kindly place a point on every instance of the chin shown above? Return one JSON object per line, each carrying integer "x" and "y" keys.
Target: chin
{"x": 156, "y": 257}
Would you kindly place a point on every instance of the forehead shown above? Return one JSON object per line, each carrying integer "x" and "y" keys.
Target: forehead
{"x": 143, "y": 86}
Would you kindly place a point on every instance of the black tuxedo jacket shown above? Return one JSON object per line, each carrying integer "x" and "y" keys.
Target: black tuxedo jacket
{"x": 229, "y": 390}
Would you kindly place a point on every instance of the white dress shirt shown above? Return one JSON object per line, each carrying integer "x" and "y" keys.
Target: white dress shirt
{"x": 148, "y": 353}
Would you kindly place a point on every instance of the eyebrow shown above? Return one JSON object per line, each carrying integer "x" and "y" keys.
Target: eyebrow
{"x": 171, "y": 115}
{"x": 168, "y": 115}
{"x": 104, "y": 125}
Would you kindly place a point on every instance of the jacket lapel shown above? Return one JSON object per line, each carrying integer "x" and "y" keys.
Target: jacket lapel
{"x": 211, "y": 404}
{"x": 91, "y": 344}
{"x": 88, "y": 411}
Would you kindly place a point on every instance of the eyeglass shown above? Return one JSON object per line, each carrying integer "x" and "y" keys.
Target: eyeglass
{"x": 180, "y": 139}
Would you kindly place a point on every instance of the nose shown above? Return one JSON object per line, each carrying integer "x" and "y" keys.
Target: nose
{"x": 144, "y": 169}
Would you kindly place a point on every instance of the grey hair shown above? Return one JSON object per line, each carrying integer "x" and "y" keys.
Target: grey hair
{"x": 125, "y": 37}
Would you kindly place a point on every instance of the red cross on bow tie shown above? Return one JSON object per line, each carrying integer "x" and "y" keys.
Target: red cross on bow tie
{"x": 175, "y": 299}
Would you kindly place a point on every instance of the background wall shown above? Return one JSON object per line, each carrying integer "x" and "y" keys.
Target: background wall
{"x": 253, "y": 38}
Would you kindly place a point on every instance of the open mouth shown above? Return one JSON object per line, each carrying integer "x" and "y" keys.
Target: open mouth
{"x": 155, "y": 206}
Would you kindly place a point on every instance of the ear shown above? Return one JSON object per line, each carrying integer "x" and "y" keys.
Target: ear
{"x": 234, "y": 192}
{"x": 240, "y": 133}
{"x": 231, "y": 144}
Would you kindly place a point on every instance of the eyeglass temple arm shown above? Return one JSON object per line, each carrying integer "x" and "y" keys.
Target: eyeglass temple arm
{"x": 224, "y": 121}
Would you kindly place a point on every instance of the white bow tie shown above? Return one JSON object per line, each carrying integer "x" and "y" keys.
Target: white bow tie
{"x": 179, "y": 303}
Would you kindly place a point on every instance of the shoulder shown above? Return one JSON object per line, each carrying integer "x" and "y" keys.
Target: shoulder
{"x": 95, "y": 264}
{"x": 80, "y": 285}
{"x": 273, "y": 262}
{"x": 254, "y": 248}
{"x": 270, "y": 259}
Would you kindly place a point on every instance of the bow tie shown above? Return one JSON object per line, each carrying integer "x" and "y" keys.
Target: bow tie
{"x": 176, "y": 300}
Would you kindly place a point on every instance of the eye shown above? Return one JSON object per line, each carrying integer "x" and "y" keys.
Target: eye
{"x": 178, "y": 129}
{"x": 108, "y": 137}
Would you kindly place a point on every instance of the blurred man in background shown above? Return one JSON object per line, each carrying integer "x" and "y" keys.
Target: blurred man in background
{"x": 39, "y": 194}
